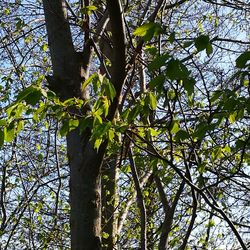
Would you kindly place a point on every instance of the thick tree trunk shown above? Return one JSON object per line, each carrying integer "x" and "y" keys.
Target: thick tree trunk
{"x": 85, "y": 162}
{"x": 85, "y": 192}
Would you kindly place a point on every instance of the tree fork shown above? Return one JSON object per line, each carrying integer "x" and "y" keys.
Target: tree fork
{"x": 84, "y": 161}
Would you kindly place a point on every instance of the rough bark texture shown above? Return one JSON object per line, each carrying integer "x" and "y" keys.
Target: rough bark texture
{"x": 85, "y": 162}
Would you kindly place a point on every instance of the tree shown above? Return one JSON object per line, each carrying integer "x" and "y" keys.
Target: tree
{"x": 153, "y": 100}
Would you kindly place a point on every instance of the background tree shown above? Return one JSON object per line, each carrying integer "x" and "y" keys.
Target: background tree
{"x": 153, "y": 100}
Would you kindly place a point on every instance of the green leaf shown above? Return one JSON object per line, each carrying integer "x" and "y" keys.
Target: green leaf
{"x": 105, "y": 235}
{"x": 176, "y": 70}
{"x": 31, "y": 95}
{"x": 232, "y": 117}
{"x": 88, "y": 9}
{"x": 202, "y": 42}
{"x": 157, "y": 82}
{"x": 111, "y": 134}
{"x": 216, "y": 95}
{"x": 181, "y": 135}
{"x": 148, "y": 31}
{"x": 97, "y": 143}
{"x": 20, "y": 126}
{"x": 175, "y": 127}
{"x": 9, "y": 132}
{"x": 85, "y": 123}
{"x": 105, "y": 106}
{"x": 188, "y": 85}
{"x": 172, "y": 37}
{"x": 242, "y": 60}
{"x": 109, "y": 90}
{"x": 209, "y": 49}
{"x": 153, "y": 132}
{"x": 3, "y": 122}
{"x": 133, "y": 113}
{"x": 65, "y": 128}
{"x": 187, "y": 44}
{"x": 152, "y": 100}
{"x": 89, "y": 80}
{"x": 200, "y": 130}
{"x": 73, "y": 124}
{"x": 171, "y": 94}
{"x": 44, "y": 47}
{"x": 158, "y": 62}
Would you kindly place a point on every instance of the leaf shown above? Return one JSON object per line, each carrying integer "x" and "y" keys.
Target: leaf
{"x": 89, "y": 80}
{"x": 202, "y": 42}
{"x": 105, "y": 106}
{"x": 209, "y": 49}
{"x": 216, "y": 95}
{"x": 65, "y": 128}
{"x": 31, "y": 95}
{"x": 232, "y": 117}
{"x": 88, "y": 9}
{"x": 3, "y": 122}
{"x": 110, "y": 90}
{"x": 68, "y": 125}
{"x": 175, "y": 127}
{"x": 158, "y": 62}
{"x": 187, "y": 44}
{"x": 152, "y": 100}
{"x": 188, "y": 85}
{"x": 111, "y": 134}
{"x": 133, "y": 113}
{"x": 97, "y": 143}
{"x": 73, "y": 124}
{"x": 157, "y": 82}
{"x": 171, "y": 94}
{"x": 85, "y": 123}
{"x": 242, "y": 60}
{"x": 176, "y": 70}
{"x": 172, "y": 37}
{"x": 153, "y": 132}
{"x": 9, "y": 132}
{"x": 105, "y": 235}
{"x": 181, "y": 135}
{"x": 20, "y": 126}
{"x": 44, "y": 47}
{"x": 148, "y": 31}
{"x": 200, "y": 131}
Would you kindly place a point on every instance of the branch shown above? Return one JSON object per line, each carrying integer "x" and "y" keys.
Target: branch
{"x": 130, "y": 201}
{"x": 140, "y": 201}
{"x": 118, "y": 73}
{"x": 153, "y": 152}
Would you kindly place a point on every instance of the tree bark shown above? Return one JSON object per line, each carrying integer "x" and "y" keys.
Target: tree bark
{"x": 85, "y": 162}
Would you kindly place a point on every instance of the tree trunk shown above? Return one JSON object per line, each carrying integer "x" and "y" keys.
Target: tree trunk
{"x": 85, "y": 162}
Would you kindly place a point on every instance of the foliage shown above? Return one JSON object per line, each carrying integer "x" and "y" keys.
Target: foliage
{"x": 182, "y": 131}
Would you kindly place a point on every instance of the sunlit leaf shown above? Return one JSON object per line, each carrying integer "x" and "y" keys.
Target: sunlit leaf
{"x": 148, "y": 31}
{"x": 175, "y": 127}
